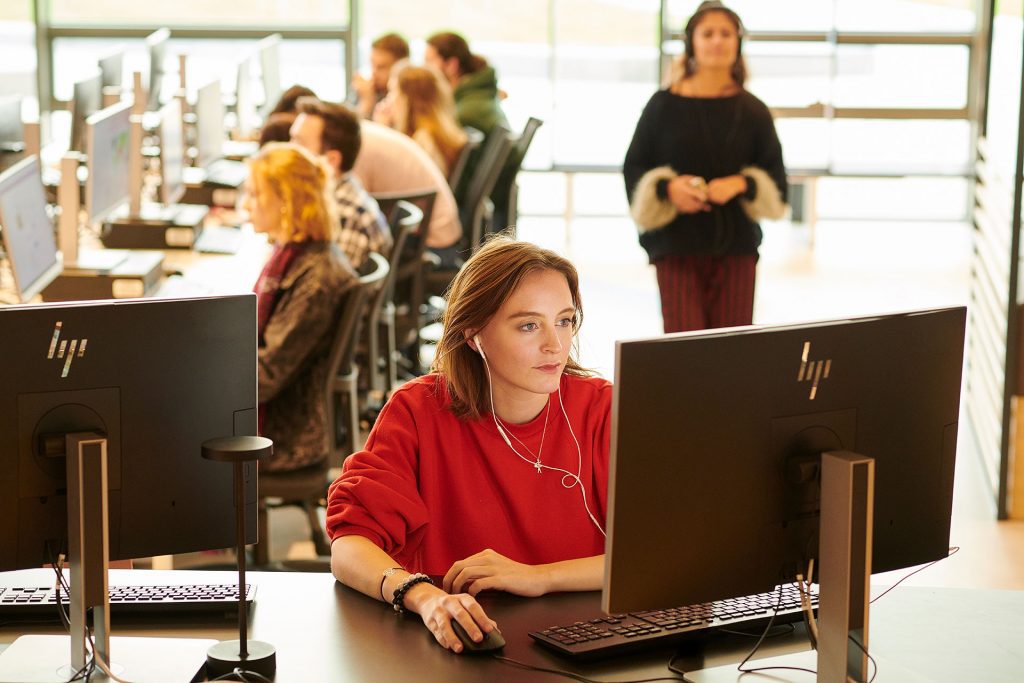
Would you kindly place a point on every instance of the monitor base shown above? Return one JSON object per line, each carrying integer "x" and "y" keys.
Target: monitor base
{"x": 45, "y": 659}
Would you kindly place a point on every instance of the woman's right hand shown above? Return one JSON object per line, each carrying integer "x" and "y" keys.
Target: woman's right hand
{"x": 437, "y": 608}
{"x": 688, "y": 194}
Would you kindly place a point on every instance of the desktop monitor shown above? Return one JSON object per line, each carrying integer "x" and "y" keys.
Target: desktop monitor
{"x": 108, "y": 149}
{"x": 716, "y": 441}
{"x": 157, "y": 377}
{"x": 86, "y": 100}
{"x": 156, "y": 46}
{"x": 245, "y": 105}
{"x": 172, "y": 153}
{"x": 270, "y": 68}
{"x": 27, "y": 230}
{"x": 209, "y": 124}
{"x": 12, "y": 130}
{"x": 112, "y": 69}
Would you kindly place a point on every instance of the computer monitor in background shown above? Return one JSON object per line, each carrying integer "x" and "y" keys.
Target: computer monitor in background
{"x": 245, "y": 104}
{"x": 86, "y": 100}
{"x": 12, "y": 130}
{"x": 269, "y": 50}
{"x": 112, "y": 69}
{"x": 716, "y": 443}
{"x": 172, "y": 153}
{"x": 108, "y": 150}
{"x": 209, "y": 124}
{"x": 156, "y": 46}
{"x": 157, "y": 377}
{"x": 27, "y": 230}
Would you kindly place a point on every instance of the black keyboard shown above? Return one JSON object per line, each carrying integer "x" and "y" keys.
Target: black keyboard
{"x": 36, "y": 602}
{"x": 622, "y": 633}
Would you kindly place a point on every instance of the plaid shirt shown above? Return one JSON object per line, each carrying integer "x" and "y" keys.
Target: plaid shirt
{"x": 363, "y": 228}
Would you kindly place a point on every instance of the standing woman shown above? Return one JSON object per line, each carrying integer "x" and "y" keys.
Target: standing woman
{"x": 422, "y": 108}
{"x": 705, "y": 165}
{"x": 299, "y": 295}
{"x": 492, "y": 471}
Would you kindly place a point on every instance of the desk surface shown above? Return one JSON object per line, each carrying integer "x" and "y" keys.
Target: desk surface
{"x": 325, "y": 631}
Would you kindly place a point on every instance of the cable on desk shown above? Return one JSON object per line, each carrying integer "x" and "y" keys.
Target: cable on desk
{"x": 238, "y": 674}
{"x": 576, "y": 676}
{"x": 952, "y": 551}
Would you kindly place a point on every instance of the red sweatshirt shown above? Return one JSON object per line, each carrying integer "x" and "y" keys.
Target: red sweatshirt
{"x": 431, "y": 489}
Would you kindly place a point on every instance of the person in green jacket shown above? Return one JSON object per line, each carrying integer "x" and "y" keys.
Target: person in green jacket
{"x": 474, "y": 82}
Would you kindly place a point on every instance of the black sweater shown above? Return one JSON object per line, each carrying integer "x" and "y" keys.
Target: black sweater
{"x": 711, "y": 138}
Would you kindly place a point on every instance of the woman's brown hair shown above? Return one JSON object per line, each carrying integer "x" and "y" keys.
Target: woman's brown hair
{"x": 428, "y": 105}
{"x": 450, "y": 45}
{"x": 686, "y": 65}
{"x": 480, "y": 288}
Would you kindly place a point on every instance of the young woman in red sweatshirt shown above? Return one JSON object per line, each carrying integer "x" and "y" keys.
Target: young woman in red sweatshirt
{"x": 491, "y": 471}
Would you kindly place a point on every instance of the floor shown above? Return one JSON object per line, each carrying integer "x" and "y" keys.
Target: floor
{"x": 852, "y": 268}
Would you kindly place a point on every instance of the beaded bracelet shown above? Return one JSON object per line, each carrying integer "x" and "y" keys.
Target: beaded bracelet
{"x": 409, "y": 582}
{"x": 387, "y": 572}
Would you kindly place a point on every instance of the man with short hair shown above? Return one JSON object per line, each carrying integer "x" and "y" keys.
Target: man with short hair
{"x": 332, "y": 131}
{"x": 385, "y": 52}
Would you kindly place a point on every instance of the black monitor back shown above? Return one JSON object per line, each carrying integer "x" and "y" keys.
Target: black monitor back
{"x": 158, "y": 377}
{"x": 713, "y": 432}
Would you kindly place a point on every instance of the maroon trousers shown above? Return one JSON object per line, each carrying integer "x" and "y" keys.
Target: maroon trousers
{"x": 701, "y": 291}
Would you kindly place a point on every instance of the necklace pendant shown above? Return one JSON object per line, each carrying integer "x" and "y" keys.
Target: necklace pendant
{"x": 537, "y": 465}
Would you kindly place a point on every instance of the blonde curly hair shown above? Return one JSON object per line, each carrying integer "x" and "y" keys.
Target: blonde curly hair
{"x": 301, "y": 181}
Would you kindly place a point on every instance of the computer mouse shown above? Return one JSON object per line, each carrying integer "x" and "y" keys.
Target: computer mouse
{"x": 491, "y": 641}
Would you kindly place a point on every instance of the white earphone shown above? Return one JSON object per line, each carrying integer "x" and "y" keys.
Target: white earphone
{"x": 573, "y": 479}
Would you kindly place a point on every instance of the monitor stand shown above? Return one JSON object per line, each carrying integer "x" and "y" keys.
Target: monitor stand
{"x": 155, "y": 226}
{"x": 36, "y": 659}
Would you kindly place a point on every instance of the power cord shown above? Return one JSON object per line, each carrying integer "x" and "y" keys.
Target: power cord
{"x": 242, "y": 675}
{"x": 952, "y": 551}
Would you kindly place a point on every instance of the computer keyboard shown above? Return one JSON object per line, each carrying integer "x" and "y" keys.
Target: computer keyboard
{"x": 40, "y": 602}
{"x": 227, "y": 173}
{"x": 621, "y": 633}
{"x": 219, "y": 239}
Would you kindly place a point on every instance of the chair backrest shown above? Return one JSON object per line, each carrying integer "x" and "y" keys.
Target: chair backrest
{"x": 503, "y": 195}
{"x": 341, "y": 356}
{"x": 475, "y": 206}
{"x": 408, "y": 283}
{"x": 474, "y": 139}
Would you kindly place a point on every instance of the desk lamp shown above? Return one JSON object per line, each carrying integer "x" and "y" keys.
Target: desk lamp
{"x": 244, "y": 654}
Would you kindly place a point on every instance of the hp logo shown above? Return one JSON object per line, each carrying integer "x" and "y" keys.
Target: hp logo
{"x": 813, "y": 371}
{"x": 63, "y": 351}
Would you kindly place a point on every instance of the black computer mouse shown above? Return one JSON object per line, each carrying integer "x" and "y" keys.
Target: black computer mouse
{"x": 491, "y": 641}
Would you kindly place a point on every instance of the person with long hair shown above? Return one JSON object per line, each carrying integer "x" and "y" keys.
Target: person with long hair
{"x": 421, "y": 106}
{"x": 299, "y": 294}
{"x": 474, "y": 82}
{"x": 492, "y": 470}
{"x": 704, "y": 166}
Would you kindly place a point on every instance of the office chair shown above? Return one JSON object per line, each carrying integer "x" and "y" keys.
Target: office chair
{"x": 474, "y": 140}
{"x": 475, "y": 210}
{"x": 408, "y": 289}
{"x": 506, "y": 192}
{"x": 307, "y": 487}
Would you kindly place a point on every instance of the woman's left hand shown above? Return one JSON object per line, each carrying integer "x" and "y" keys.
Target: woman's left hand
{"x": 489, "y": 570}
{"x": 722, "y": 190}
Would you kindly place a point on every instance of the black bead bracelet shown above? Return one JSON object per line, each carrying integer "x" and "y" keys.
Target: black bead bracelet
{"x": 400, "y": 592}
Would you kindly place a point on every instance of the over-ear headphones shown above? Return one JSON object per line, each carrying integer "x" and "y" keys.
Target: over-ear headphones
{"x": 704, "y": 8}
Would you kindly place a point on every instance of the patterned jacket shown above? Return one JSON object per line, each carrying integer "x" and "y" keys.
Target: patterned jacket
{"x": 293, "y": 356}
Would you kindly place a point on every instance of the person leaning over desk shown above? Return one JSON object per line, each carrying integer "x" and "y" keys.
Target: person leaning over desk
{"x": 299, "y": 294}
{"x": 491, "y": 471}
{"x": 704, "y": 165}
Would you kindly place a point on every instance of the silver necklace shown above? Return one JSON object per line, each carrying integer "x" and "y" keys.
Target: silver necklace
{"x": 536, "y": 463}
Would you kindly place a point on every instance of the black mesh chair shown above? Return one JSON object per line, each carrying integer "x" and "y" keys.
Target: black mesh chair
{"x": 470, "y": 151}
{"x": 307, "y": 487}
{"x": 409, "y": 281}
{"x": 506, "y": 192}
